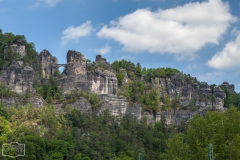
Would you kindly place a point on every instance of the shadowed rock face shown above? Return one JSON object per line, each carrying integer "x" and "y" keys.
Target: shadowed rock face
{"x": 190, "y": 92}
{"x": 231, "y": 87}
{"x": 17, "y": 78}
{"x": 49, "y": 64}
{"x": 18, "y": 47}
{"x": 118, "y": 106}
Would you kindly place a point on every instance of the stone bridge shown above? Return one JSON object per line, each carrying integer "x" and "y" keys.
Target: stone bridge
{"x": 61, "y": 65}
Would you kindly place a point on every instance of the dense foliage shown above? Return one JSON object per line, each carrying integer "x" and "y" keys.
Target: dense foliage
{"x": 7, "y": 55}
{"x": 73, "y": 135}
{"x": 232, "y": 99}
{"x": 134, "y": 71}
{"x": 66, "y": 133}
{"x": 221, "y": 129}
{"x": 150, "y": 98}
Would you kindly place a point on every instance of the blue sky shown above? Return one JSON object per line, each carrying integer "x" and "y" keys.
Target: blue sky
{"x": 201, "y": 38}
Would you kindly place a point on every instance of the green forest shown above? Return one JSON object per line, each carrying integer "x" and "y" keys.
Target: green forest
{"x": 67, "y": 134}
{"x": 71, "y": 135}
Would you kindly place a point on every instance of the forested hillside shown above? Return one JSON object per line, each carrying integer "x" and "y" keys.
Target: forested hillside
{"x": 118, "y": 111}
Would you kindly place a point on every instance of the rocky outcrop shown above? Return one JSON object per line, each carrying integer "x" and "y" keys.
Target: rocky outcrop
{"x": 219, "y": 96}
{"x": 74, "y": 75}
{"x": 103, "y": 82}
{"x": 18, "y": 47}
{"x": 20, "y": 101}
{"x": 49, "y": 64}
{"x": 230, "y": 87}
{"x": 101, "y": 60}
{"x": 97, "y": 78}
{"x": 76, "y": 64}
{"x": 82, "y": 105}
{"x": 19, "y": 79}
{"x": 118, "y": 106}
{"x": 189, "y": 92}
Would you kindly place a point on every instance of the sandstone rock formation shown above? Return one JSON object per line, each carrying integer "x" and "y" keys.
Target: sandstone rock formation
{"x": 18, "y": 47}
{"x": 17, "y": 78}
{"x": 189, "y": 92}
{"x": 78, "y": 75}
{"x": 118, "y": 106}
{"x": 231, "y": 87}
{"x": 103, "y": 82}
{"x": 49, "y": 64}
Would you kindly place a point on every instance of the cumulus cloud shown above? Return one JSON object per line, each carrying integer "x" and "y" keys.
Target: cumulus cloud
{"x": 229, "y": 57}
{"x": 180, "y": 31}
{"x": 104, "y": 50}
{"x": 74, "y": 33}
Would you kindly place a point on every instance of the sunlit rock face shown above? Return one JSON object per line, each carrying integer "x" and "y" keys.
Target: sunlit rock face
{"x": 76, "y": 63}
{"x": 103, "y": 82}
{"x": 74, "y": 76}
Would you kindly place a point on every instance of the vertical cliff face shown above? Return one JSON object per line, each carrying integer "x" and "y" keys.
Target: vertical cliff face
{"x": 17, "y": 78}
{"x": 49, "y": 64}
{"x": 103, "y": 82}
{"x": 77, "y": 77}
{"x": 74, "y": 75}
{"x": 189, "y": 92}
{"x": 76, "y": 64}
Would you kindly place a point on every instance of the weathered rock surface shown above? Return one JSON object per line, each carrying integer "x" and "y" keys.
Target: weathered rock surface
{"x": 74, "y": 75}
{"x": 19, "y": 101}
{"x": 17, "y": 78}
{"x": 230, "y": 87}
{"x": 18, "y": 47}
{"x": 78, "y": 75}
{"x": 49, "y": 64}
{"x": 118, "y": 106}
{"x": 82, "y": 105}
{"x": 103, "y": 82}
{"x": 189, "y": 92}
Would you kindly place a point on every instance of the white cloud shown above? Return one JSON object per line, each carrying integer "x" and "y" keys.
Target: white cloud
{"x": 229, "y": 57}
{"x": 74, "y": 33}
{"x": 180, "y": 31}
{"x": 104, "y": 50}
